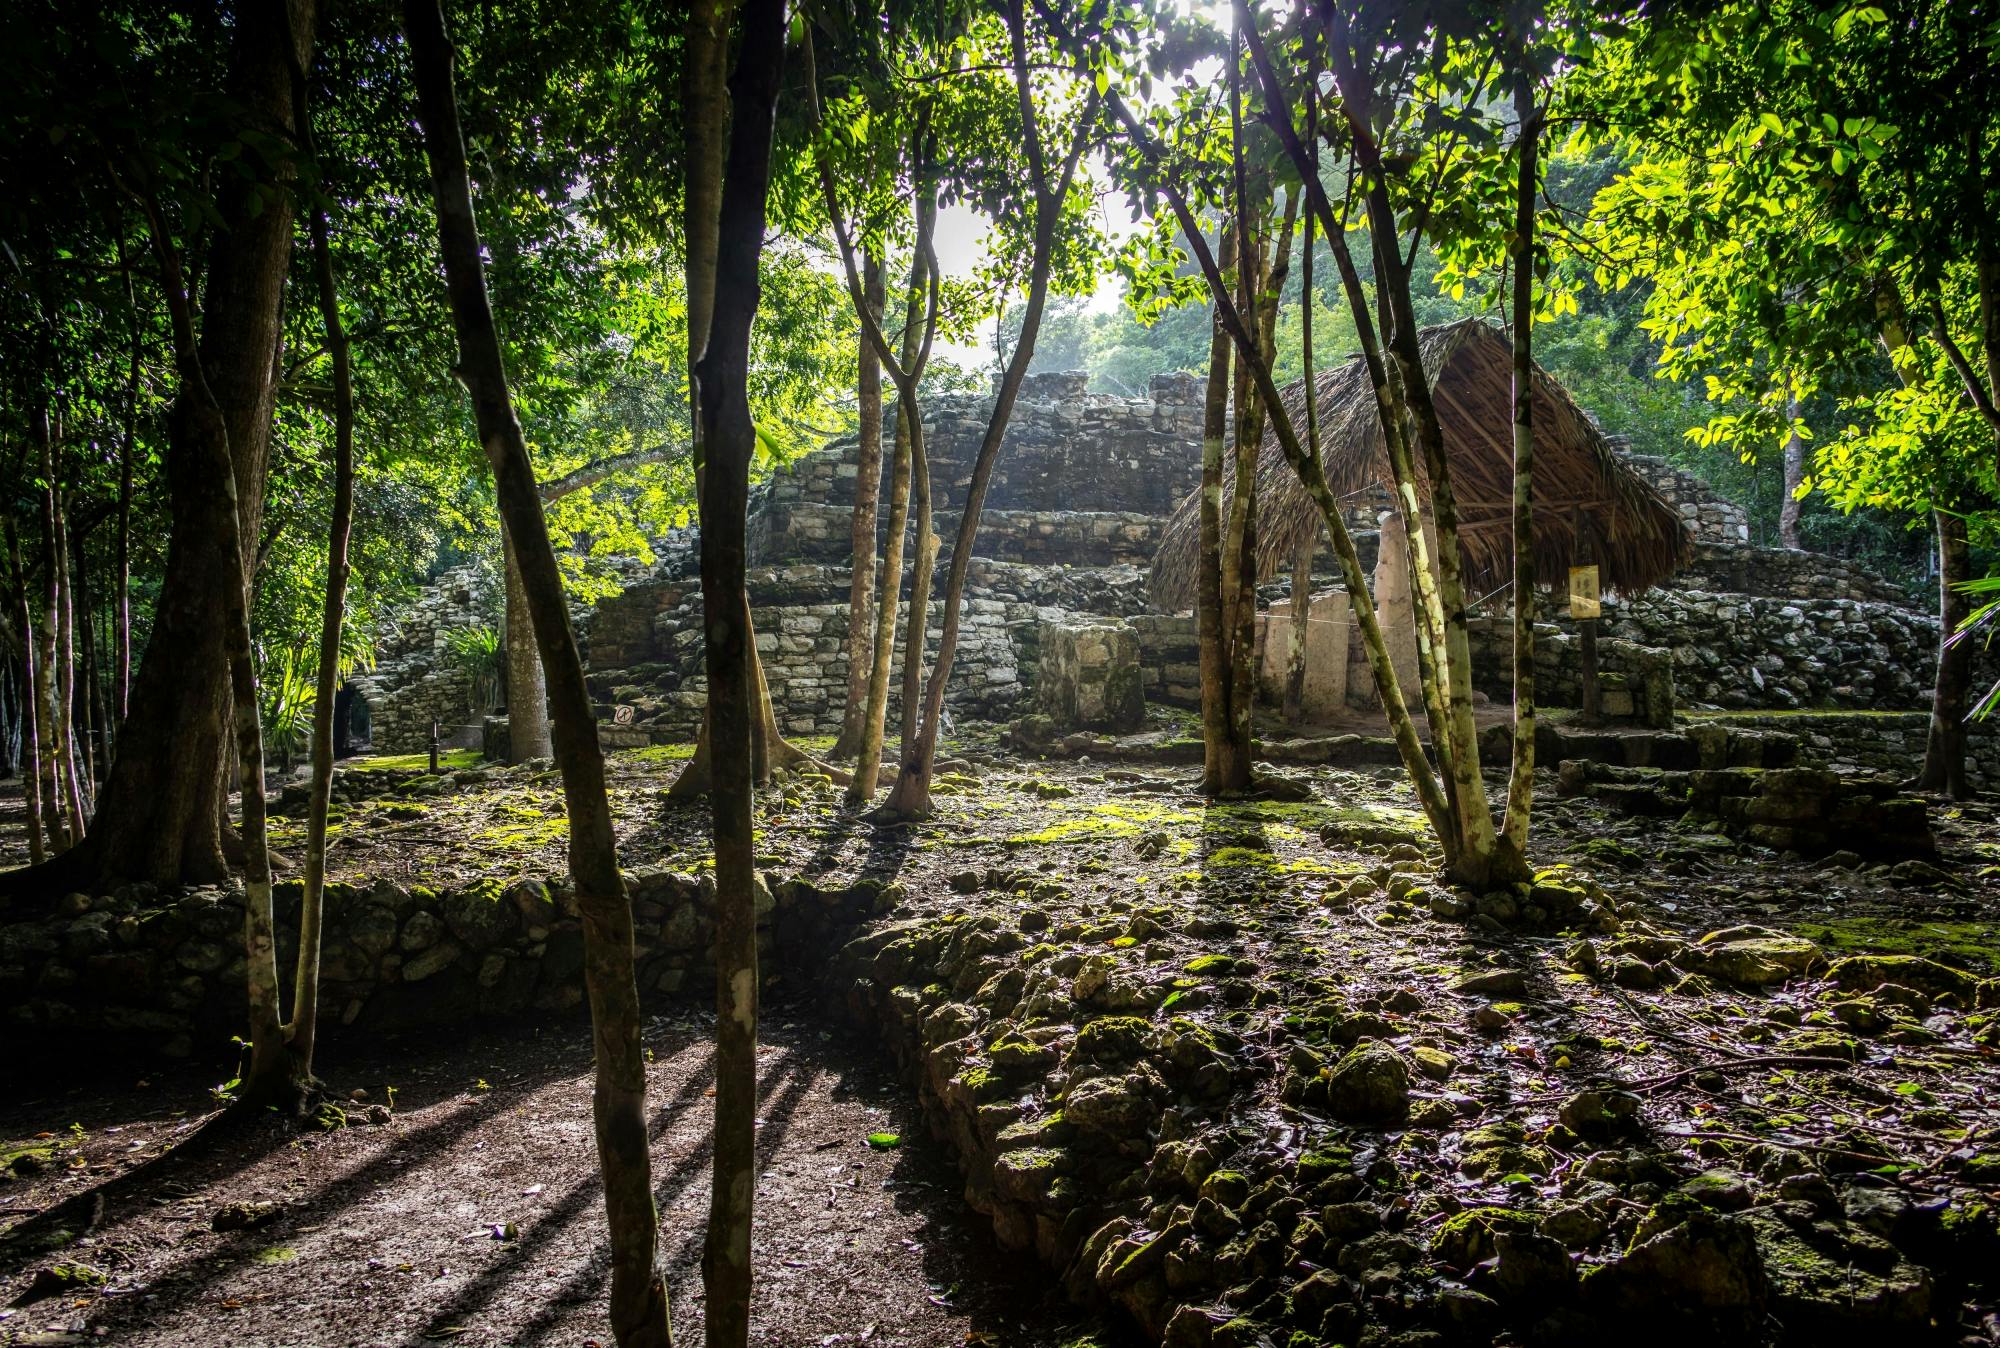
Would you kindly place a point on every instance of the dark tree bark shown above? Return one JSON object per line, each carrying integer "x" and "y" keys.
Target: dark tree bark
{"x": 31, "y": 739}
{"x": 1211, "y": 624}
{"x": 1944, "y": 748}
{"x": 867, "y": 502}
{"x": 62, "y": 824}
{"x": 731, "y": 439}
{"x": 638, "y": 1293}
{"x": 122, "y": 564}
{"x": 162, "y": 805}
{"x": 303, "y": 1028}
{"x": 1513, "y": 841}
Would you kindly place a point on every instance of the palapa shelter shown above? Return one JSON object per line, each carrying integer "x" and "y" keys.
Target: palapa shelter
{"x": 1581, "y": 486}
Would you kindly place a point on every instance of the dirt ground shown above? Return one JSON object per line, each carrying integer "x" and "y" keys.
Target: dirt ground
{"x": 397, "y": 1224}
{"x": 475, "y": 1217}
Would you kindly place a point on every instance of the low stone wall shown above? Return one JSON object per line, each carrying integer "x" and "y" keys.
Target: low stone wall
{"x": 1635, "y": 682}
{"x": 1783, "y": 573}
{"x": 1812, "y": 811}
{"x": 165, "y": 973}
{"x": 1733, "y": 650}
{"x": 1869, "y": 743}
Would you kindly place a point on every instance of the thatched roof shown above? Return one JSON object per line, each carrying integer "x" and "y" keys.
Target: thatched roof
{"x": 1580, "y": 484}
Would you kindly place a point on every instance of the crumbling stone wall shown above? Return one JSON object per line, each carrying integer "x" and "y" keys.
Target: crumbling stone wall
{"x": 1783, "y": 573}
{"x": 414, "y": 678}
{"x": 164, "y": 973}
{"x": 1712, "y": 519}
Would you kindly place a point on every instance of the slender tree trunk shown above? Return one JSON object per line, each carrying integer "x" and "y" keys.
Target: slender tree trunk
{"x": 61, "y": 822}
{"x": 31, "y": 738}
{"x": 706, "y": 112}
{"x": 96, "y": 736}
{"x": 1795, "y": 475}
{"x": 1521, "y": 780}
{"x": 867, "y": 499}
{"x": 1211, "y": 621}
{"x": 731, "y": 439}
{"x": 911, "y": 797}
{"x": 304, "y": 1027}
{"x": 123, "y": 561}
{"x": 1239, "y": 530}
{"x": 917, "y": 629}
{"x": 76, "y": 764}
{"x": 638, "y": 1294}
{"x": 527, "y": 689}
{"x": 908, "y": 428}
{"x": 1944, "y": 747}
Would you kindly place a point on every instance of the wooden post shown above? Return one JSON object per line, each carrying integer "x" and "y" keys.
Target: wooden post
{"x": 434, "y": 745}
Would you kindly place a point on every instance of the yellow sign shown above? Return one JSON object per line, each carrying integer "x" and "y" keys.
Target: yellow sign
{"x": 1583, "y": 593}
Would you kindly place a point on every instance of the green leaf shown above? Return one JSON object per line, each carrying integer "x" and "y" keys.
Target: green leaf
{"x": 885, "y": 1141}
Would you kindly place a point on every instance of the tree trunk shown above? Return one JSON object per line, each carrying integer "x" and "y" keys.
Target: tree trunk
{"x": 76, "y": 760}
{"x": 527, "y": 690}
{"x": 1409, "y": 748}
{"x": 867, "y": 500}
{"x": 63, "y": 824}
{"x": 923, "y": 566}
{"x": 122, "y": 638}
{"x": 638, "y": 1294}
{"x": 1795, "y": 475}
{"x": 731, "y": 439}
{"x": 1211, "y": 626}
{"x": 1944, "y": 747}
{"x": 304, "y": 1027}
{"x": 96, "y": 734}
{"x": 919, "y": 325}
{"x": 1521, "y": 779}
{"x": 706, "y": 111}
{"x": 31, "y": 740}
{"x": 161, "y": 809}
{"x": 911, "y": 797}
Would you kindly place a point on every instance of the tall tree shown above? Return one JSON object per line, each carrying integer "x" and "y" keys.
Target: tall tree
{"x": 638, "y": 1292}
{"x": 161, "y": 810}
{"x": 1048, "y": 196}
{"x": 731, "y": 440}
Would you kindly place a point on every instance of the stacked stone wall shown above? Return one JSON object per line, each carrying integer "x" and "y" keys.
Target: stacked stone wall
{"x": 414, "y": 679}
{"x": 1710, "y": 518}
{"x": 1784, "y": 573}
{"x": 1870, "y": 744}
{"x": 164, "y": 973}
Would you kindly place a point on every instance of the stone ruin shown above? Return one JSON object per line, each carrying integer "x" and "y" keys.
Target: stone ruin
{"x": 1058, "y": 621}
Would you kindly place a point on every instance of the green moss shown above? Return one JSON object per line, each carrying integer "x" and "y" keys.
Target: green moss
{"x": 450, "y": 760}
{"x": 1971, "y": 941}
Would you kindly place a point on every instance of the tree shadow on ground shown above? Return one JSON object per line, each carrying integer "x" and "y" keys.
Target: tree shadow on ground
{"x": 185, "y": 1281}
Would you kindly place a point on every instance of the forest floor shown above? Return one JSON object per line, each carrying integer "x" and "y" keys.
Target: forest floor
{"x": 1290, "y": 930}
{"x": 476, "y": 1218}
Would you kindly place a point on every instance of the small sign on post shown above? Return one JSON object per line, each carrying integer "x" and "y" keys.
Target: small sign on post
{"x": 434, "y": 745}
{"x": 1584, "y": 601}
